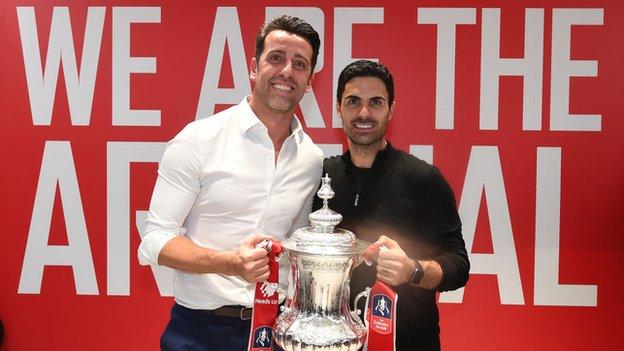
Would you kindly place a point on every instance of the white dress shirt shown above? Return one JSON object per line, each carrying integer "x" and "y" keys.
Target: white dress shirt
{"x": 218, "y": 182}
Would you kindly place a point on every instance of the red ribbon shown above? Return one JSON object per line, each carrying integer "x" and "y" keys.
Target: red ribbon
{"x": 381, "y": 317}
{"x": 266, "y": 300}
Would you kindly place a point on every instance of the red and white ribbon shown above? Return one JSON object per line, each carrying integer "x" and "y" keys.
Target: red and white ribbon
{"x": 381, "y": 317}
{"x": 266, "y": 300}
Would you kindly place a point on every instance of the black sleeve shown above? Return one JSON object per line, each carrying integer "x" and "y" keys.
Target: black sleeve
{"x": 442, "y": 219}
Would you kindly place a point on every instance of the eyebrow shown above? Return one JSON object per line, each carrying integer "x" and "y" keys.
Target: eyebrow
{"x": 360, "y": 98}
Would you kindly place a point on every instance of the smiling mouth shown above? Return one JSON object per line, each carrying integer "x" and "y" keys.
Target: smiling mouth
{"x": 362, "y": 125}
{"x": 282, "y": 87}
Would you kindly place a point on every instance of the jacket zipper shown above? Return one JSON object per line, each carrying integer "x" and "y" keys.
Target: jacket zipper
{"x": 357, "y": 197}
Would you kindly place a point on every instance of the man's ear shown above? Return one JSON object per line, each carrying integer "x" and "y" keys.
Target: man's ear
{"x": 253, "y": 69}
{"x": 338, "y": 108}
{"x": 310, "y": 82}
{"x": 391, "y": 110}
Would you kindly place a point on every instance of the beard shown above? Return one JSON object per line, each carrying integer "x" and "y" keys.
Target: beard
{"x": 279, "y": 105}
{"x": 368, "y": 139}
{"x": 276, "y": 102}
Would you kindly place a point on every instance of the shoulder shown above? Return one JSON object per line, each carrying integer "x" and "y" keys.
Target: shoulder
{"x": 205, "y": 129}
{"x": 309, "y": 146}
{"x": 414, "y": 166}
{"x": 333, "y": 164}
{"x": 421, "y": 174}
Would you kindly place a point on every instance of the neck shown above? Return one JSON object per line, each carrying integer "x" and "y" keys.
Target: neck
{"x": 363, "y": 156}
{"x": 278, "y": 124}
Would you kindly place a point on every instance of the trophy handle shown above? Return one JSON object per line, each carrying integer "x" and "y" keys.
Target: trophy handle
{"x": 356, "y": 314}
{"x": 365, "y": 293}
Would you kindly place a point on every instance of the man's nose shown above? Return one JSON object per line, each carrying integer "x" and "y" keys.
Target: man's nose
{"x": 364, "y": 111}
{"x": 287, "y": 70}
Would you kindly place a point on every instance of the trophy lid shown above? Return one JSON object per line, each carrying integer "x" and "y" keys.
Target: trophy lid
{"x": 322, "y": 237}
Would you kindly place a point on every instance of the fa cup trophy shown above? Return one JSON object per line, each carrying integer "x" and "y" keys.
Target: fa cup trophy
{"x": 317, "y": 316}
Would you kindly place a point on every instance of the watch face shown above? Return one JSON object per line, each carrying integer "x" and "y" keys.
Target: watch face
{"x": 418, "y": 274}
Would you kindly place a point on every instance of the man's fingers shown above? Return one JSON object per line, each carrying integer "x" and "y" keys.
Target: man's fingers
{"x": 253, "y": 254}
{"x": 383, "y": 270}
{"x": 389, "y": 264}
{"x": 259, "y": 272}
{"x": 262, "y": 277}
{"x": 256, "y": 270}
{"x": 371, "y": 252}
{"x": 253, "y": 240}
{"x": 387, "y": 242}
{"x": 388, "y": 275}
{"x": 255, "y": 260}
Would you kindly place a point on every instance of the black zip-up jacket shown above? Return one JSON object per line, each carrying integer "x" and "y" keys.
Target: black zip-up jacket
{"x": 408, "y": 200}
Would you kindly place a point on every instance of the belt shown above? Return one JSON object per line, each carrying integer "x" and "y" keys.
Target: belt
{"x": 241, "y": 312}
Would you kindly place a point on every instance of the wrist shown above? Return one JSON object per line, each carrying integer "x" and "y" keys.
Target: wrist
{"x": 225, "y": 262}
{"x": 417, "y": 273}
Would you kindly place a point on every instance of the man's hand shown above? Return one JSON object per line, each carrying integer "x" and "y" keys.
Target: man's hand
{"x": 394, "y": 267}
{"x": 251, "y": 263}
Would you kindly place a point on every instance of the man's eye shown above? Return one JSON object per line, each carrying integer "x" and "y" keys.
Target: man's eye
{"x": 300, "y": 65}
{"x": 376, "y": 102}
{"x": 275, "y": 58}
{"x": 352, "y": 101}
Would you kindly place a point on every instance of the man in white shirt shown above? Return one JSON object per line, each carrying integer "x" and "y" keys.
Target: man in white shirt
{"x": 226, "y": 183}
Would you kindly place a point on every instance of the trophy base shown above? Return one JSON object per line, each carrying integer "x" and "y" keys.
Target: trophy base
{"x": 319, "y": 333}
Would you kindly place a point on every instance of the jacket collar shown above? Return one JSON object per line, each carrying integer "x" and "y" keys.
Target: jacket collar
{"x": 383, "y": 157}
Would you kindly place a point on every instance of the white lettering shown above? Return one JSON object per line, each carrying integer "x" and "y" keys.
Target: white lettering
{"x": 562, "y": 68}
{"x": 119, "y": 157}
{"x": 331, "y": 149}
{"x": 226, "y": 28}
{"x": 446, "y": 20}
{"x": 42, "y": 83}
{"x": 547, "y": 290}
{"x": 124, "y": 64}
{"x": 530, "y": 68}
{"x": 423, "y": 152}
{"x": 58, "y": 167}
{"x": 484, "y": 175}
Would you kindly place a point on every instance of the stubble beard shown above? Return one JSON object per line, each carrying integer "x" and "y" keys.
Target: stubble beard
{"x": 279, "y": 104}
{"x": 366, "y": 142}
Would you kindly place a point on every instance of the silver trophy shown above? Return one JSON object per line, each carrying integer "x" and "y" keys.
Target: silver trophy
{"x": 317, "y": 314}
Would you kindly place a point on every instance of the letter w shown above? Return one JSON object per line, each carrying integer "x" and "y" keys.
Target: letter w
{"x": 42, "y": 83}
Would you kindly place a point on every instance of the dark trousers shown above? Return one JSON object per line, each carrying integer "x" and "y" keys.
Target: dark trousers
{"x": 191, "y": 330}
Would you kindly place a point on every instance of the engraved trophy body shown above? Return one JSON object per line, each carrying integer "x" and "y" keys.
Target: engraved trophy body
{"x": 317, "y": 316}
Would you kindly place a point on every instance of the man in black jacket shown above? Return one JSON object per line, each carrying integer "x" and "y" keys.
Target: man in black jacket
{"x": 399, "y": 202}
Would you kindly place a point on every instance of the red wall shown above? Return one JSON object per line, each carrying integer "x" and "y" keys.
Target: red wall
{"x": 539, "y": 180}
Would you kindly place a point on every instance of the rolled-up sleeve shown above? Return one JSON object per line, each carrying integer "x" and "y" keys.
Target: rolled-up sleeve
{"x": 176, "y": 189}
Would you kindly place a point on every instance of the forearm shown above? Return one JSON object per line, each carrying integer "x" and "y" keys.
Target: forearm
{"x": 453, "y": 261}
{"x": 182, "y": 254}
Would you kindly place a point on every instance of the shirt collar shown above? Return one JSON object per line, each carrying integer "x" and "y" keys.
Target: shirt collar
{"x": 296, "y": 129}
{"x": 249, "y": 120}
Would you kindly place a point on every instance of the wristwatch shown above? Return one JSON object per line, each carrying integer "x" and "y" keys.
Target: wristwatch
{"x": 418, "y": 274}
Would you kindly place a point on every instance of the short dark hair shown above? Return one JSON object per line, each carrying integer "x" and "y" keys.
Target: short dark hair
{"x": 290, "y": 24}
{"x": 366, "y": 68}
